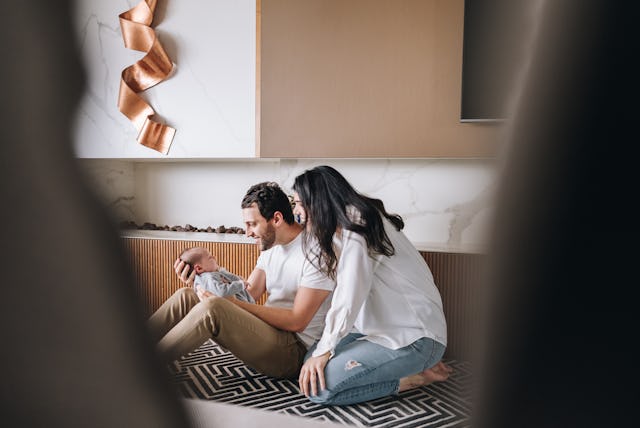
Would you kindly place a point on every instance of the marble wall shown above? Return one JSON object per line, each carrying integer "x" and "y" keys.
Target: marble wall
{"x": 446, "y": 203}
{"x": 209, "y": 97}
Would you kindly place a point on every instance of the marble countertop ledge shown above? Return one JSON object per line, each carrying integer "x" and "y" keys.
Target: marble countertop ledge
{"x": 187, "y": 236}
{"x": 438, "y": 247}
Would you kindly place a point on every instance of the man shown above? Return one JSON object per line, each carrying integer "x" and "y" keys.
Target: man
{"x": 272, "y": 338}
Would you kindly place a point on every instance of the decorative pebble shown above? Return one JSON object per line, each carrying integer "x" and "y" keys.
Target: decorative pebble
{"x": 185, "y": 228}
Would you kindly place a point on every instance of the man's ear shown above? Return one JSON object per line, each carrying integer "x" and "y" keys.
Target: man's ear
{"x": 277, "y": 218}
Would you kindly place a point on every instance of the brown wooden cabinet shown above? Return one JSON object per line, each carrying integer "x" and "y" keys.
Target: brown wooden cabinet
{"x": 363, "y": 78}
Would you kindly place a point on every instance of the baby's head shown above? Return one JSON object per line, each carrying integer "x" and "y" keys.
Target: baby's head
{"x": 200, "y": 260}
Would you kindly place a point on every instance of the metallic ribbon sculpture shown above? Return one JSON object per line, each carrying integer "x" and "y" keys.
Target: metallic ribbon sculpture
{"x": 147, "y": 72}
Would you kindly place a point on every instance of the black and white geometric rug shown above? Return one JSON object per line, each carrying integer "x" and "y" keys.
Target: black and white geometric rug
{"x": 212, "y": 373}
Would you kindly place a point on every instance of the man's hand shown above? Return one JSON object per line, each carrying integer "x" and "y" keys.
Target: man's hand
{"x": 312, "y": 374}
{"x": 182, "y": 270}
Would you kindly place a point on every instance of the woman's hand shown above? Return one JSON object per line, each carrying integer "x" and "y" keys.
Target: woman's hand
{"x": 312, "y": 374}
{"x": 182, "y": 270}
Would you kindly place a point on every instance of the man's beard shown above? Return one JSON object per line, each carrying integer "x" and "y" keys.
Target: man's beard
{"x": 269, "y": 238}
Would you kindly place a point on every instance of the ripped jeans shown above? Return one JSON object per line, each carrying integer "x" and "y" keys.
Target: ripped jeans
{"x": 361, "y": 370}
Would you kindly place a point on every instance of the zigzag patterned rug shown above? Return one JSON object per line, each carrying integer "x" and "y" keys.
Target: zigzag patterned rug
{"x": 212, "y": 373}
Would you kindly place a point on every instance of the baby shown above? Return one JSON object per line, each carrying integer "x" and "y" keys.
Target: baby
{"x": 211, "y": 277}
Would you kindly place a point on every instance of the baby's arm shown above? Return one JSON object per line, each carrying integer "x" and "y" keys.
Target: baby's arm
{"x": 238, "y": 284}
{"x": 236, "y": 287}
{"x": 210, "y": 282}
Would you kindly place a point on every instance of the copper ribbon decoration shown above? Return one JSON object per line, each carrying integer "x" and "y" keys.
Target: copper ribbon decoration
{"x": 147, "y": 72}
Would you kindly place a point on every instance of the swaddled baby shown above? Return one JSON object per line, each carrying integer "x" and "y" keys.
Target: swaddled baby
{"x": 211, "y": 277}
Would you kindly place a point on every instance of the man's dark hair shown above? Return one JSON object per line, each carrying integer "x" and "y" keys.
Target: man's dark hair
{"x": 269, "y": 198}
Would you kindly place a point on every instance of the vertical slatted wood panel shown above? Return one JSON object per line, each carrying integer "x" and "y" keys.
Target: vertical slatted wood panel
{"x": 458, "y": 278}
{"x": 152, "y": 260}
{"x": 456, "y": 275}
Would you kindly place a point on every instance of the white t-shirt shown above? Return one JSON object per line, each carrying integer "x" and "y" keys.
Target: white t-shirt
{"x": 287, "y": 269}
{"x": 393, "y": 300}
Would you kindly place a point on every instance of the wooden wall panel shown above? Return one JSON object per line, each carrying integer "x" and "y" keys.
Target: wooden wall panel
{"x": 456, "y": 275}
{"x": 152, "y": 263}
{"x": 364, "y": 78}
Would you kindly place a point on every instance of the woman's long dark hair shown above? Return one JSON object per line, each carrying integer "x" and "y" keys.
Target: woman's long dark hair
{"x": 328, "y": 199}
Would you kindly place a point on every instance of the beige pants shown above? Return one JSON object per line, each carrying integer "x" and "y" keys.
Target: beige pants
{"x": 183, "y": 323}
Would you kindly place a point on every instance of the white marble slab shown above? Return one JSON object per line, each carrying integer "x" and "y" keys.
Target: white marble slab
{"x": 446, "y": 204}
{"x": 235, "y": 238}
{"x": 209, "y": 99}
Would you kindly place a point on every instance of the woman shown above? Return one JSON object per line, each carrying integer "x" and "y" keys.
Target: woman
{"x": 385, "y": 331}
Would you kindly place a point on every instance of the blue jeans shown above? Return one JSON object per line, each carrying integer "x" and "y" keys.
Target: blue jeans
{"x": 361, "y": 371}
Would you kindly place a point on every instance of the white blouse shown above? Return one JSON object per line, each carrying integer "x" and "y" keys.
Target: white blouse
{"x": 393, "y": 300}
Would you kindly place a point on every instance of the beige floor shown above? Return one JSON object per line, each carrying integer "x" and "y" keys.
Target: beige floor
{"x": 209, "y": 414}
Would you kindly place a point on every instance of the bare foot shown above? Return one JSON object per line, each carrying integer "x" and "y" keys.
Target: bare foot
{"x": 438, "y": 373}
{"x": 440, "y": 369}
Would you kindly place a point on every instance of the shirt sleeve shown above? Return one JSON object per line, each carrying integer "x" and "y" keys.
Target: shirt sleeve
{"x": 354, "y": 278}
{"x": 312, "y": 277}
{"x": 263, "y": 260}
